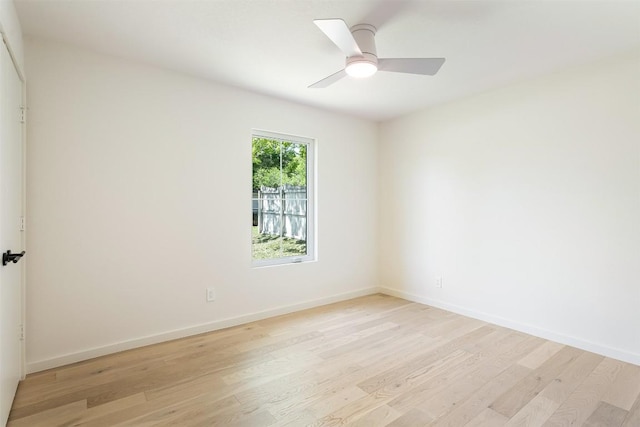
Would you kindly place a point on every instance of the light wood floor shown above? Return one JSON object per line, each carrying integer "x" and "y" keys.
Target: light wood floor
{"x": 371, "y": 361}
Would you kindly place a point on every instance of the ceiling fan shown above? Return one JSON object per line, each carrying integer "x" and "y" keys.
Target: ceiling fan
{"x": 359, "y": 45}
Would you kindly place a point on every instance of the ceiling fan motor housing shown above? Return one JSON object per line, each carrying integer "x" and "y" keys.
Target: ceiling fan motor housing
{"x": 364, "y": 34}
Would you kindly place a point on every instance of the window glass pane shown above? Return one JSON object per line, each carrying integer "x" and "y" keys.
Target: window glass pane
{"x": 266, "y": 163}
{"x": 279, "y": 199}
{"x": 294, "y": 166}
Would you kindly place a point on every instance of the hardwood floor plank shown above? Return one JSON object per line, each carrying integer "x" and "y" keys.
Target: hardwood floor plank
{"x": 335, "y": 401}
{"x": 446, "y": 328}
{"x": 92, "y": 414}
{"x": 606, "y": 415}
{"x": 633, "y": 417}
{"x": 336, "y": 344}
{"x": 352, "y": 412}
{"x": 272, "y": 368}
{"x": 474, "y": 397}
{"x": 390, "y": 350}
{"x": 413, "y": 418}
{"x": 389, "y": 376}
{"x": 301, "y": 418}
{"x": 324, "y": 385}
{"x": 536, "y": 358}
{"x": 626, "y": 388}
{"x": 584, "y": 400}
{"x": 191, "y": 412}
{"x": 379, "y": 417}
{"x": 272, "y": 344}
{"x": 331, "y": 380}
{"x": 542, "y": 406}
{"x": 354, "y": 344}
{"x": 405, "y": 383}
{"x": 514, "y": 399}
{"x": 394, "y": 314}
{"x": 57, "y": 415}
{"x": 172, "y": 407}
{"x": 367, "y": 362}
{"x": 497, "y": 356}
{"x": 487, "y": 418}
{"x": 381, "y": 396}
{"x": 71, "y": 386}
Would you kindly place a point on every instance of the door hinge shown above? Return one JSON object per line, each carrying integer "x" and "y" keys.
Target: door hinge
{"x": 21, "y": 332}
{"x": 23, "y": 114}
{"x": 21, "y": 223}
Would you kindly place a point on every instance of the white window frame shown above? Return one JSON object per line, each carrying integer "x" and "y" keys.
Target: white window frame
{"x": 311, "y": 201}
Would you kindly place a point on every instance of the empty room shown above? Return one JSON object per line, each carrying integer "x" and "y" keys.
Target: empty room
{"x": 320, "y": 213}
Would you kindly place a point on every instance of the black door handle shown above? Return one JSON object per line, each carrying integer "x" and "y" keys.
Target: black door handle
{"x": 8, "y": 257}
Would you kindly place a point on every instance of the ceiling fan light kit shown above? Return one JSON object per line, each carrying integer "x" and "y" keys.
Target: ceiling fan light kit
{"x": 359, "y": 46}
{"x": 360, "y": 67}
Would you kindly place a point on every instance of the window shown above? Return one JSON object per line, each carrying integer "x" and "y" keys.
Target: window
{"x": 282, "y": 199}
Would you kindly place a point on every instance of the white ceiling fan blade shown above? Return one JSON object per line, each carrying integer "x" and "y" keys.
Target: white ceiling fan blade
{"x": 338, "y": 32}
{"x": 425, "y": 66}
{"x": 329, "y": 80}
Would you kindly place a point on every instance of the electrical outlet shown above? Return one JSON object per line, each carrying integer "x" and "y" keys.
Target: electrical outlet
{"x": 211, "y": 294}
{"x": 439, "y": 282}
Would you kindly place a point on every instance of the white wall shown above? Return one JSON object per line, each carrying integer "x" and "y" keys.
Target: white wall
{"x": 130, "y": 166}
{"x": 526, "y": 200}
{"x": 10, "y": 27}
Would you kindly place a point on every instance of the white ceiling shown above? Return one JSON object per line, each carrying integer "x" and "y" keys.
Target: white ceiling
{"x": 273, "y": 47}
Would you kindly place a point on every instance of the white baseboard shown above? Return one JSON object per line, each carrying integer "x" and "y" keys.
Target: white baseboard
{"x": 66, "y": 359}
{"x": 607, "y": 351}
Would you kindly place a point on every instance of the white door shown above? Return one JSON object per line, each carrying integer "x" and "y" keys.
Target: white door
{"x": 11, "y": 191}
